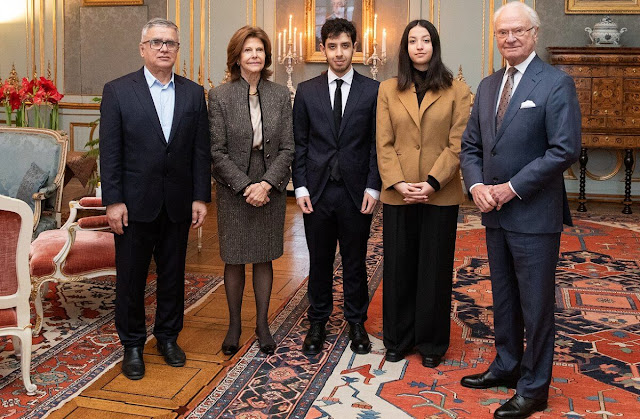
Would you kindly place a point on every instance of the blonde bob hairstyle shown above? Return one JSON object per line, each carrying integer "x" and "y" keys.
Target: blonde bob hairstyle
{"x": 234, "y": 50}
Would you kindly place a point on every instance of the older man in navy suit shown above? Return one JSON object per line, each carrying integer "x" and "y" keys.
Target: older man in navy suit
{"x": 156, "y": 177}
{"x": 524, "y": 132}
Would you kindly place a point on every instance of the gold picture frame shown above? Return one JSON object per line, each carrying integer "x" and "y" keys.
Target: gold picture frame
{"x": 617, "y": 7}
{"x": 316, "y": 12}
{"x": 112, "y": 2}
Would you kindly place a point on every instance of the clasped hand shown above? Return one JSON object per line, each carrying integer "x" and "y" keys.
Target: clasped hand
{"x": 414, "y": 193}
{"x": 489, "y": 197}
{"x": 257, "y": 194}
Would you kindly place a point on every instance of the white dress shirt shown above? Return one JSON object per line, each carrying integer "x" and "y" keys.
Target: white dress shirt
{"x": 164, "y": 100}
{"x": 517, "y": 76}
{"x": 346, "y": 88}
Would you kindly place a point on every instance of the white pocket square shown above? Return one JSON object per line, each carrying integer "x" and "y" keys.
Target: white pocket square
{"x": 527, "y": 104}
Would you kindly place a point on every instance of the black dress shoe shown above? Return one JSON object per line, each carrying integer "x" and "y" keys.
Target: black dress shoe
{"x": 229, "y": 349}
{"x": 173, "y": 354}
{"x": 520, "y": 407}
{"x": 431, "y": 361}
{"x": 268, "y": 349}
{"x": 314, "y": 341}
{"x": 133, "y": 364}
{"x": 394, "y": 356}
{"x": 360, "y": 343}
{"x": 488, "y": 380}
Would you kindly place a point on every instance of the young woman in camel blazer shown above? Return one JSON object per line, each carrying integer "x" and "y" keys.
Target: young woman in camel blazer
{"x": 420, "y": 120}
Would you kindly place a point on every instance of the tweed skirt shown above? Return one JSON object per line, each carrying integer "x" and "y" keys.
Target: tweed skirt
{"x": 249, "y": 234}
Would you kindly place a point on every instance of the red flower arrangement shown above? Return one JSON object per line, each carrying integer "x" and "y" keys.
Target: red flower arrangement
{"x": 10, "y": 99}
{"x": 35, "y": 93}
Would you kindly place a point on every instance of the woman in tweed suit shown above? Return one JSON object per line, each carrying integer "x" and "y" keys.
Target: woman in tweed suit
{"x": 252, "y": 149}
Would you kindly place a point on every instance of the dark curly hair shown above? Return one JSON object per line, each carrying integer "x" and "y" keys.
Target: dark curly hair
{"x": 332, "y": 28}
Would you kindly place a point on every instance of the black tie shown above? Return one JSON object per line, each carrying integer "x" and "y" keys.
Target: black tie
{"x": 334, "y": 166}
{"x": 337, "y": 105}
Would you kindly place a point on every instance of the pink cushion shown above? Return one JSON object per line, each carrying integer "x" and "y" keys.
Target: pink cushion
{"x": 8, "y": 317}
{"x": 97, "y": 221}
{"x": 10, "y": 228}
{"x": 92, "y": 251}
{"x": 91, "y": 201}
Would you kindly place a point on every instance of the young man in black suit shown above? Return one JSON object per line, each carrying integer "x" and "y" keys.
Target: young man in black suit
{"x": 336, "y": 180}
{"x": 156, "y": 177}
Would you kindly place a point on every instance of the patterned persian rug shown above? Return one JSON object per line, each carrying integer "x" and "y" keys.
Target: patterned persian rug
{"x": 597, "y": 353}
{"x": 77, "y": 344}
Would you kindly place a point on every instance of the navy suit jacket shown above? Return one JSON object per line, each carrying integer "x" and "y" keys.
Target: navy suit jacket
{"x": 532, "y": 148}
{"x": 317, "y": 139}
{"x": 137, "y": 165}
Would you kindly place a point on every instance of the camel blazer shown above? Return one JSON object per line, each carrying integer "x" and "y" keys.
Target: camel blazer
{"x": 413, "y": 143}
{"x": 232, "y": 133}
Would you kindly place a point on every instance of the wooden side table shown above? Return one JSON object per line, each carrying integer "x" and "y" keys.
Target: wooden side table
{"x": 608, "y": 86}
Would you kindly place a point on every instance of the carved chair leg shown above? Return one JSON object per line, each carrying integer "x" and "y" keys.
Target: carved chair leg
{"x": 25, "y": 361}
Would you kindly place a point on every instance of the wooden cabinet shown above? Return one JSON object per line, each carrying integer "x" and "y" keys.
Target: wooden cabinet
{"x": 608, "y": 85}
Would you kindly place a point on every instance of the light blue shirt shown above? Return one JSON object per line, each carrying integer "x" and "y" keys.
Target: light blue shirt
{"x": 164, "y": 99}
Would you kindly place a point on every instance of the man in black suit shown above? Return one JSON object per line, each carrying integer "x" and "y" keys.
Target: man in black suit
{"x": 524, "y": 132}
{"x": 155, "y": 172}
{"x": 335, "y": 174}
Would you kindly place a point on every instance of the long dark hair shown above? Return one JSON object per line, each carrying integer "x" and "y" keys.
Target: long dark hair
{"x": 438, "y": 75}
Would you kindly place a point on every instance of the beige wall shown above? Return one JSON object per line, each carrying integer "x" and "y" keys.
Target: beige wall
{"x": 96, "y": 44}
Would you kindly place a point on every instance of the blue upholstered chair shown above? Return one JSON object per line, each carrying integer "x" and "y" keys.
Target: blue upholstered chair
{"x": 32, "y": 163}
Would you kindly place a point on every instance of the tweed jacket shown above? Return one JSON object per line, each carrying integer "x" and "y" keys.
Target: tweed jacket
{"x": 232, "y": 133}
{"x": 415, "y": 142}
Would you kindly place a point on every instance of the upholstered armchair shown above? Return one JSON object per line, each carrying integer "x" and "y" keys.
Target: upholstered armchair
{"x": 80, "y": 250}
{"x": 32, "y": 163}
{"x": 16, "y": 225}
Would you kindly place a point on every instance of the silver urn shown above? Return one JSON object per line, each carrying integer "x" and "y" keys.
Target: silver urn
{"x": 605, "y": 33}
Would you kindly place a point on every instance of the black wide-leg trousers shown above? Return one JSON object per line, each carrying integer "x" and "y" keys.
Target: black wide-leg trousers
{"x": 419, "y": 245}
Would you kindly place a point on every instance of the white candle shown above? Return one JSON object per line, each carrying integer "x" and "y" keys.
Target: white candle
{"x": 365, "y": 45}
{"x": 375, "y": 28}
{"x": 279, "y": 45}
{"x": 290, "y": 34}
{"x": 384, "y": 42}
{"x": 301, "y": 45}
{"x": 285, "y": 44}
{"x": 295, "y": 44}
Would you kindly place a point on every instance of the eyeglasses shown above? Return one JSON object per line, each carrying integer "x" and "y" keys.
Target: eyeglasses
{"x": 518, "y": 33}
{"x": 157, "y": 44}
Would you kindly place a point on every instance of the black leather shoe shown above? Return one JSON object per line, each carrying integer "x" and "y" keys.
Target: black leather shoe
{"x": 314, "y": 341}
{"x": 488, "y": 380}
{"x": 431, "y": 361}
{"x": 229, "y": 349}
{"x": 133, "y": 364}
{"x": 173, "y": 354}
{"x": 360, "y": 343}
{"x": 268, "y": 349}
{"x": 394, "y": 356}
{"x": 520, "y": 407}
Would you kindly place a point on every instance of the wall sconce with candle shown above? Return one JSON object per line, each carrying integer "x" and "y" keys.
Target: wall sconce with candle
{"x": 290, "y": 52}
{"x": 374, "y": 60}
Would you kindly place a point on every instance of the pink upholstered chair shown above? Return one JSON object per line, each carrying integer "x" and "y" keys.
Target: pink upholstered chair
{"x": 79, "y": 250}
{"x": 16, "y": 225}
